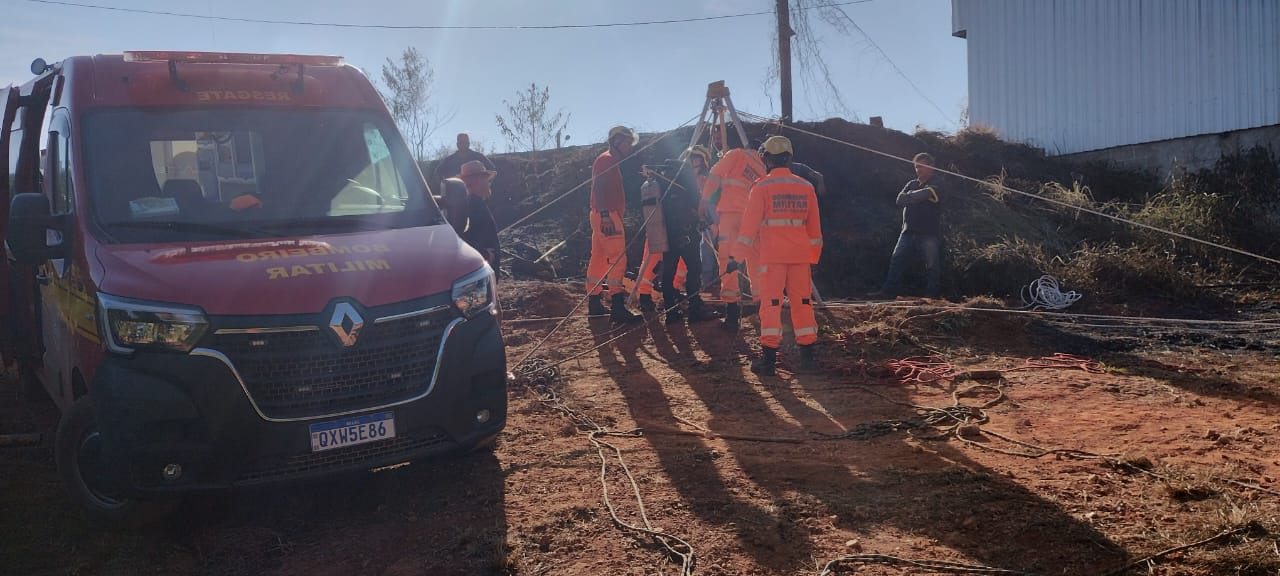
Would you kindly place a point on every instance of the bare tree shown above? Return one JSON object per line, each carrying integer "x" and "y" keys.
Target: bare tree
{"x": 529, "y": 125}
{"x": 409, "y": 95}
{"x": 809, "y": 58}
{"x": 806, "y": 50}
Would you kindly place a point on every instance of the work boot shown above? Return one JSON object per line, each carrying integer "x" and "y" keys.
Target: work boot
{"x": 732, "y": 316}
{"x": 620, "y": 314}
{"x": 647, "y": 305}
{"x": 674, "y": 316}
{"x": 808, "y": 358}
{"x": 766, "y": 364}
{"x": 595, "y": 305}
{"x": 699, "y": 312}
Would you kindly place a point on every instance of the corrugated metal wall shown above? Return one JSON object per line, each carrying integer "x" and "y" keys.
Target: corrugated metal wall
{"x": 1077, "y": 75}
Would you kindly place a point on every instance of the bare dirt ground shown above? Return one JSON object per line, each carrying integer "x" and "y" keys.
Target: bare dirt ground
{"x": 1164, "y": 440}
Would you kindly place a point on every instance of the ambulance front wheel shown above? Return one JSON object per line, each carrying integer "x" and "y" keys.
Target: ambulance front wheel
{"x": 84, "y": 471}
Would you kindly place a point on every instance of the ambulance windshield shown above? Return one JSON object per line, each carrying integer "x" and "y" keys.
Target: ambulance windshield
{"x": 172, "y": 176}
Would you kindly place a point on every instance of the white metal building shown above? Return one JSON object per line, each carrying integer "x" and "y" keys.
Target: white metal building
{"x": 1072, "y": 76}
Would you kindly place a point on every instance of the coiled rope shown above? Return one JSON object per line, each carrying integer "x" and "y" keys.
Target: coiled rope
{"x": 1044, "y": 294}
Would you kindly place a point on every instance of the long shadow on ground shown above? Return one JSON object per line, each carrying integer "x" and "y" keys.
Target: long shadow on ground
{"x": 685, "y": 459}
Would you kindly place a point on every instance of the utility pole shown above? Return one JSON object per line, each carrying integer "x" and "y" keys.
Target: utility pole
{"x": 784, "y": 57}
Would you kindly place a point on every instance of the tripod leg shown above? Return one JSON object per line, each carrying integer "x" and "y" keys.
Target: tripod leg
{"x": 648, "y": 260}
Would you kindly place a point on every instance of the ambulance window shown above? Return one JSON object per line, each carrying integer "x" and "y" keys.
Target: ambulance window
{"x": 224, "y": 164}
{"x": 59, "y": 170}
{"x": 15, "y": 148}
{"x": 377, "y": 186}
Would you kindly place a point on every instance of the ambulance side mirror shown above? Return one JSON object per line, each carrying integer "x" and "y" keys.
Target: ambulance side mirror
{"x": 33, "y": 234}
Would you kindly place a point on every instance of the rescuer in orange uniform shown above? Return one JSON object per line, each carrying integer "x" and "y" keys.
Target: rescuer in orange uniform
{"x": 782, "y": 212}
{"x": 608, "y": 244}
{"x": 726, "y": 189}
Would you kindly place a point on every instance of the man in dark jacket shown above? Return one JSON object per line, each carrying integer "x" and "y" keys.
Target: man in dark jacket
{"x": 681, "y": 215}
{"x": 476, "y": 221}
{"x": 921, "y": 229}
{"x": 452, "y": 164}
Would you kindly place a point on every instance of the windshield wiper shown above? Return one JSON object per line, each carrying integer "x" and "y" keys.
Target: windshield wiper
{"x": 179, "y": 225}
{"x": 327, "y": 223}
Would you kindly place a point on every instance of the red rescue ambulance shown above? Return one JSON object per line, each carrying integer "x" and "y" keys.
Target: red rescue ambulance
{"x": 227, "y": 270}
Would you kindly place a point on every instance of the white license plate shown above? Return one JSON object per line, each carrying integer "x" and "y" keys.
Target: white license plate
{"x": 352, "y": 431}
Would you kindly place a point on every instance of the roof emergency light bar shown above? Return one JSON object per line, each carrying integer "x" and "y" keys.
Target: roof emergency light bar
{"x": 230, "y": 58}
{"x": 283, "y": 60}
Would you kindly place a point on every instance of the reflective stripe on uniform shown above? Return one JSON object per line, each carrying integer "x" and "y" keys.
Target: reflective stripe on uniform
{"x": 815, "y": 241}
{"x": 746, "y": 241}
{"x": 762, "y": 269}
{"x": 735, "y": 182}
{"x": 783, "y": 222}
{"x": 783, "y": 180}
{"x": 771, "y": 332}
{"x": 802, "y": 331}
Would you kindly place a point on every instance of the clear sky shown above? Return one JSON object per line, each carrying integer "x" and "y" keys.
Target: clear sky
{"x": 650, "y": 77}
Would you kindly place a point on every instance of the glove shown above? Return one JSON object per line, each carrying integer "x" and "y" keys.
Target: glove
{"x": 606, "y": 224}
{"x": 732, "y": 266}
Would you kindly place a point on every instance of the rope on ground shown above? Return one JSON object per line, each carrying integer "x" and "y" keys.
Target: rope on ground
{"x": 1060, "y": 360}
{"x": 921, "y": 369}
{"x": 624, "y": 329}
{"x": 848, "y": 565}
{"x": 1044, "y": 294}
{"x": 660, "y": 138}
{"x": 540, "y": 376}
{"x": 1265, "y": 324}
{"x": 1249, "y": 528}
{"x": 1060, "y": 203}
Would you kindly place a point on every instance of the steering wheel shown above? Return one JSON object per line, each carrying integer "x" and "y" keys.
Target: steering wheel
{"x": 354, "y": 185}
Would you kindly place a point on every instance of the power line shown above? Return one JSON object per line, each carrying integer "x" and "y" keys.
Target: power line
{"x": 422, "y": 27}
{"x": 892, "y": 63}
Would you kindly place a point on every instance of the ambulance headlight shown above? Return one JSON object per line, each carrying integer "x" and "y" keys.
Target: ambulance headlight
{"x": 130, "y": 325}
{"x": 473, "y": 293}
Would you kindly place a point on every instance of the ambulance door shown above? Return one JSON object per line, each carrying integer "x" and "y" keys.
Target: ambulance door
{"x": 61, "y": 305}
{"x": 10, "y": 324}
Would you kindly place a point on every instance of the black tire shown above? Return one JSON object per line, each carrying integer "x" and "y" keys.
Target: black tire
{"x": 78, "y": 452}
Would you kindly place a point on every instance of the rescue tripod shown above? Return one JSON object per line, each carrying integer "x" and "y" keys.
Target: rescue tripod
{"x": 717, "y": 113}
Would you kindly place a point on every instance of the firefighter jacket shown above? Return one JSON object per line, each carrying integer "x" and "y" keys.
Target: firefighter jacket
{"x": 606, "y": 184}
{"x": 781, "y": 221}
{"x": 730, "y": 180}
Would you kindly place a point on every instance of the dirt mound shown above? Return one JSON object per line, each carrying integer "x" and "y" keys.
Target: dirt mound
{"x": 538, "y": 299}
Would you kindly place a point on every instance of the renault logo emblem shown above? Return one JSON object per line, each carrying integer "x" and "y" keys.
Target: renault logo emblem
{"x": 346, "y": 323}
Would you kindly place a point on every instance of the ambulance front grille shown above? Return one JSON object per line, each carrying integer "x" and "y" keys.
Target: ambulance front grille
{"x": 307, "y": 373}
